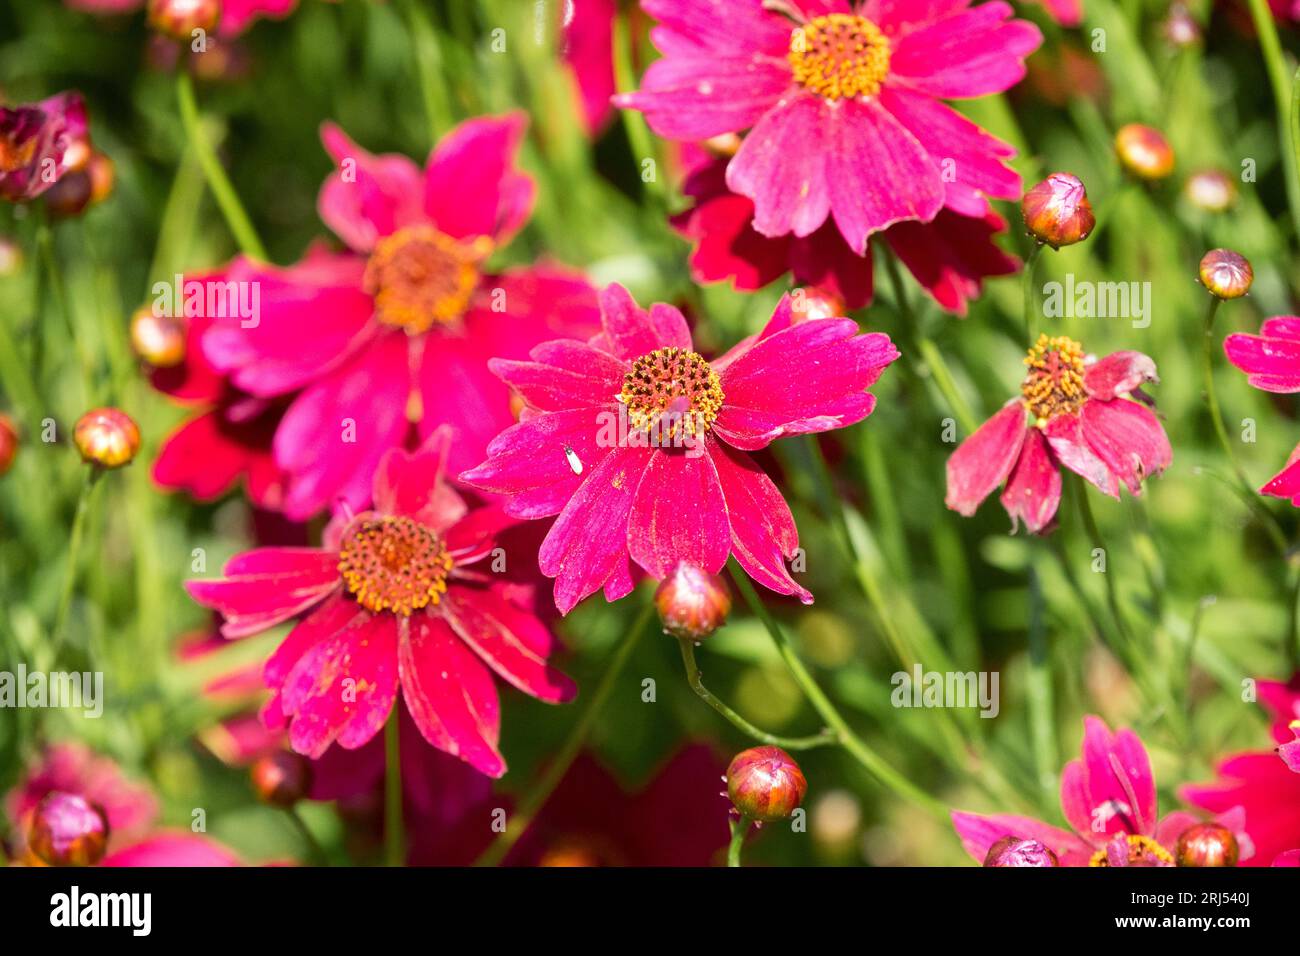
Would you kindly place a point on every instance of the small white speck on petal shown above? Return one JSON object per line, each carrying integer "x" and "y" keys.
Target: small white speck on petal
{"x": 575, "y": 462}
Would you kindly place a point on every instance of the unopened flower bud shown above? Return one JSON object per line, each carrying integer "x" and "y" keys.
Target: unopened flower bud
{"x": 70, "y": 196}
{"x": 67, "y": 830}
{"x": 814, "y": 302}
{"x": 281, "y": 778}
{"x": 1144, "y": 151}
{"x": 1207, "y": 844}
{"x": 1210, "y": 190}
{"x": 158, "y": 339}
{"x": 765, "y": 784}
{"x": 692, "y": 603}
{"x": 180, "y": 18}
{"x": 1179, "y": 28}
{"x": 1226, "y": 274}
{"x": 8, "y": 443}
{"x": 1013, "y": 851}
{"x": 1057, "y": 211}
{"x": 107, "y": 437}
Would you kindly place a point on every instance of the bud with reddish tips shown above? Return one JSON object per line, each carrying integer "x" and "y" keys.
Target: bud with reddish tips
{"x": 765, "y": 784}
{"x": 1211, "y": 190}
{"x": 1144, "y": 151}
{"x": 1226, "y": 274}
{"x": 8, "y": 443}
{"x": 107, "y": 437}
{"x": 1207, "y": 844}
{"x": 180, "y": 18}
{"x": 67, "y": 830}
{"x": 281, "y": 778}
{"x": 692, "y": 603}
{"x": 1013, "y": 851}
{"x": 158, "y": 339}
{"x": 1057, "y": 212}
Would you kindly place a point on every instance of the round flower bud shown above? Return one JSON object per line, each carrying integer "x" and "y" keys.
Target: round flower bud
{"x": 814, "y": 302}
{"x": 1207, "y": 844}
{"x": 692, "y": 603}
{"x": 158, "y": 339}
{"x": 107, "y": 437}
{"x": 8, "y": 443}
{"x": 1057, "y": 211}
{"x": 180, "y": 18}
{"x": 67, "y": 830}
{"x": 1144, "y": 151}
{"x": 70, "y": 196}
{"x": 1013, "y": 851}
{"x": 281, "y": 778}
{"x": 765, "y": 784}
{"x": 1226, "y": 274}
{"x": 1210, "y": 190}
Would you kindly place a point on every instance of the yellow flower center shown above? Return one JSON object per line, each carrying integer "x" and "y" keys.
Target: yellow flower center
{"x": 1054, "y": 385}
{"x": 421, "y": 277}
{"x": 1141, "y": 851}
{"x": 671, "y": 390}
{"x": 839, "y": 55}
{"x": 394, "y": 564}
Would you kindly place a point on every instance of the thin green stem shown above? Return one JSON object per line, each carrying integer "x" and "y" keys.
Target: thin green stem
{"x": 50, "y": 259}
{"x": 1030, "y": 296}
{"x": 314, "y": 849}
{"x": 1279, "y": 77}
{"x": 241, "y": 227}
{"x": 1039, "y": 692}
{"x": 523, "y": 817}
{"x": 739, "y": 830}
{"x": 1098, "y": 543}
{"x": 634, "y": 124}
{"x": 427, "y": 60}
{"x": 394, "y": 825}
{"x": 693, "y": 677}
{"x": 93, "y": 473}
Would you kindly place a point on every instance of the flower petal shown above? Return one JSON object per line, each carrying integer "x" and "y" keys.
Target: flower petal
{"x": 1271, "y": 364}
{"x": 1118, "y": 374}
{"x": 969, "y": 53}
{"x": 629, "y": 331}
{"x": 172, "y": 849}
{"x": 504, "y": 637}
{"x": 412, "y": 484}
{"x": 367, "y": 196}
{"x": 985, "y": 459}
{"x": 1033, "y": 491}
{"x": 471, "y": 184}
{"x": 1128, "y": 437}
{"x": 788, "y": 186}
{"x": 1065, "y": 434}
{"x": 563, "y": 374}
{"x": 679, "y": 514}
{"x": 978, "y": 832}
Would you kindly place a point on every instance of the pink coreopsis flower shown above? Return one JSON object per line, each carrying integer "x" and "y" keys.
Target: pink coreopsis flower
{"x": 392, "y": 600}
{"x": 949, "y": 257}
{"x": 39, "y": 142}
{"x": 1263, "y": 782}
{"x": 236, "y": 15}
{"x": 842, "y": 103}
{"x": 641, "y": 446}
{"x": 1088, "y": 416}
{"x": 1108, "y": 797}
{"x": 1271, "y": 361}
{"x": 402, "y": 326}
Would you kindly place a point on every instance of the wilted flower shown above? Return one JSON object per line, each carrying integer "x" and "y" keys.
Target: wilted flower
{"x": 692, "y": 603}
{"x": 765, "y": 784}
{"x": 1056, "y": 211}
{"x": 1088, "y": 416}
{"x": 39, "y": 143}
{"x": 641, "y": 446}
{"x": 1226, "y": 274}
{"x": 1011, "y": 851}
{"x": 67, "y": 830}
{"x": 1144, "y": 151}
{"x": 1207, "y": 844}
{"x": 1211, "y": 190}
{"x": 107, "y": 437}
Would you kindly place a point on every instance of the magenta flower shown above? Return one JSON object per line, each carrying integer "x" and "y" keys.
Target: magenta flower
{"x": 403, "y": 326}
{"x": 1271, "y": 361}
{"x": 1262, "y": 782}
{"x": 1108, "y": 797}
{"x": 39, "y": 142}
{"x": 842, "y": 104}
{"x": 236, "y": 15}
{"x": 949, "y": 257}
{"x": 641, "y": 446}
{"x": 390, "y": 601}
{"x": 1090, "y": 417}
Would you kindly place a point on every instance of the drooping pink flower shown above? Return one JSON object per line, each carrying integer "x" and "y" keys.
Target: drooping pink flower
{"x": 842, "y": 103}
{"x": 641, "y": 446}
{"x": 1261, "y": 782}
{"x": 39, "y": 142}
{"x": 129, "y": 809}
{"x": 949, "y": 257}
{"x": 1271, "y": 361}
{"x": 1108, "y": 797}
{"x": 392, "y": 600}
{"x": 402, "y": 326}
{"x": 1090, "y": 417}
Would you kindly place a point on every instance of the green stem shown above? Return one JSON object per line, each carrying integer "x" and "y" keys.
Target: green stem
{"x": 850, "y": 741}
{"x": 523, "y": 817}
{"x": 394, "y": 825}
{"x": 1112, "y": 592}
{"x": 1030, "y": 298}
{"x": 427, "y": 59}
{"x": 1283, "y": 99}
{"x": 693, "y": 678}
{"x": 241, "y": 227}
{"x": 45, "y": 244}
{"x": 314, "y": 849}
{"x": 1039, "y": 691}
{"x": 634, "y": 124}
{"x": 93, "y": 473}
{"x": 739, "y": 830}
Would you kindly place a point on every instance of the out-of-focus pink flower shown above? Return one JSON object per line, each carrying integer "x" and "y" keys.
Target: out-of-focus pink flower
{"x": 1089, "y": 417}
{"x": 641, "y": 446}
{"x": 587, "y": 45}
{"x": 130, "y": 810}
{"x": 1262, "y": 783}
{"x": 39, "y": 142}
{"x": 402, "y": 326}
{"x": 1108, "y": 797}
{"x": 1271, "y": 361}
{"x": 842, "y": 102}
{"x": 391, "y": 600}
{"x": 949, "y": 257}
{"x": 1068, "y": 13}
{"x": 236, "y": 15}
